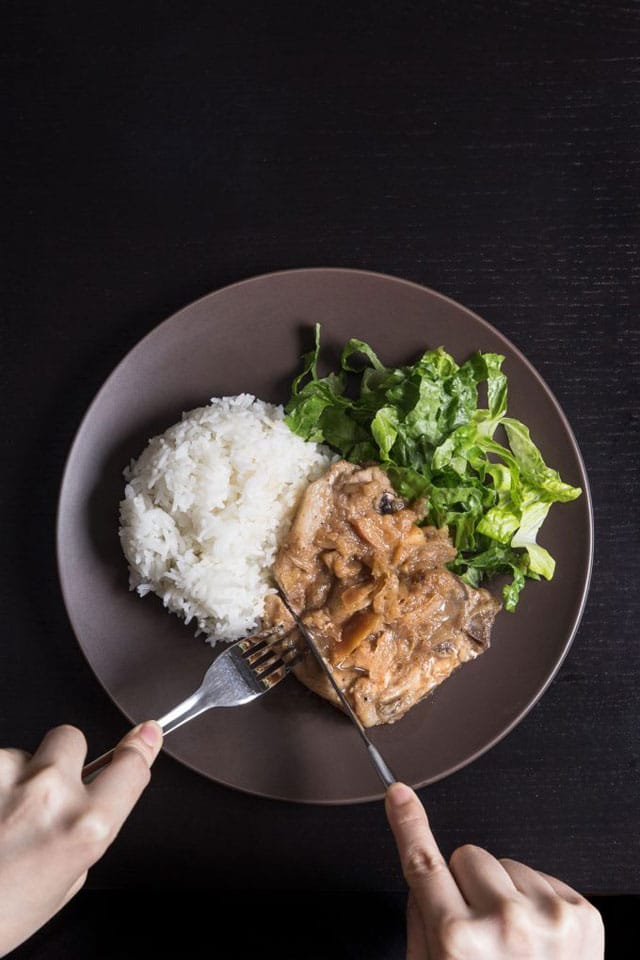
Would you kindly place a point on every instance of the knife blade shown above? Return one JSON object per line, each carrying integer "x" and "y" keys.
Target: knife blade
{"x": 381, "y": 767}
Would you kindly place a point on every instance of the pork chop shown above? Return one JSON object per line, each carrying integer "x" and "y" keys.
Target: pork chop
{"x": 372, "y": 586}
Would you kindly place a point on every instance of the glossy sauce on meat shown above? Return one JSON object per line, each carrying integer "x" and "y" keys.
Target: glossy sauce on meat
{"x": 372, "y": 586}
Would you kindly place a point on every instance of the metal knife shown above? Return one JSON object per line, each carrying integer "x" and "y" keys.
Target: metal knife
{"x": 381, "y": 767}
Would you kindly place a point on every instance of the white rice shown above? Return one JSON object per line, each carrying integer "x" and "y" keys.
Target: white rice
{"x": 206, "y": 506}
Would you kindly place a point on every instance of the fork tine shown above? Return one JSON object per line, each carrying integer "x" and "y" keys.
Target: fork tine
{"x": 257, "y": 641}
{"x": 262, "y": 668}
{"x": 291, "y": 657}
{"x": 255, "y": 658}
{"x": 249, "y": 644}
{"x": 276, "y": 669}
{"x": 269, "y": 660}
{"x": 257, "y": 653}
{"x": 288, "y": 655}
{"x": 275, "y": 677}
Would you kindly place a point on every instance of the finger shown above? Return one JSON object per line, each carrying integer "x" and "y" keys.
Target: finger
{"x": 563, "y": 889}
{"x": 75, "y": 888}
{"x": 435, "y": 891}
{"x": 528, "y": 881}
{"x": 117, "y": 788}
{"x": 416, "y": 939}
{"x": 482, "y": 879}
{"x": 12, "y": 764}
{"x": 64, "y": 747}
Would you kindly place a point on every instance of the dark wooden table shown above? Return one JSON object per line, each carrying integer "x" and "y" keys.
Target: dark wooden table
{"x": 488, "y": 150}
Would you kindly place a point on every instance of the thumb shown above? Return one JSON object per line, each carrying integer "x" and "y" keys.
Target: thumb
{"x": 118, "y": 786}
{"x": 146, "y": 738}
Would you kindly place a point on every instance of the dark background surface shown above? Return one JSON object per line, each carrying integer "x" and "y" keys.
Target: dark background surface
{"x": 488, "y": 150}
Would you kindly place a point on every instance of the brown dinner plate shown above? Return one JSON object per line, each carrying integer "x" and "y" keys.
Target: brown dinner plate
{"x": 290, "y": 744}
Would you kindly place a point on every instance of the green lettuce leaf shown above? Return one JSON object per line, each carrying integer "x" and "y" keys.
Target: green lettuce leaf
{"x": 423, "y": 424}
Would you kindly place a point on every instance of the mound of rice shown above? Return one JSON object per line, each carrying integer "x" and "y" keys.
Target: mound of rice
{"x": 206, "y": 506}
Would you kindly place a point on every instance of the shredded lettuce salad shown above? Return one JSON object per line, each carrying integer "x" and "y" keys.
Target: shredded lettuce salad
{"x": 423, "y": 425}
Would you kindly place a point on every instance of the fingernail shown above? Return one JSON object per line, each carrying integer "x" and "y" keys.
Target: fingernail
{"x": 151, "y": 733}
{"x": 400, "y": 793}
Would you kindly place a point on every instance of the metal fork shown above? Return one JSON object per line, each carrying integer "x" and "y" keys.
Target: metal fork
{"x": 243, "y": 672}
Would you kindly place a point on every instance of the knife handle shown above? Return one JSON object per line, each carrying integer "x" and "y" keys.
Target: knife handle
{"x": 381, "y": 767}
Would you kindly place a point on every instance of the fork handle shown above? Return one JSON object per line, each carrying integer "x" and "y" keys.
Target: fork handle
{"x": 186, "y": 710}
{"x": 90, "y": 770}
